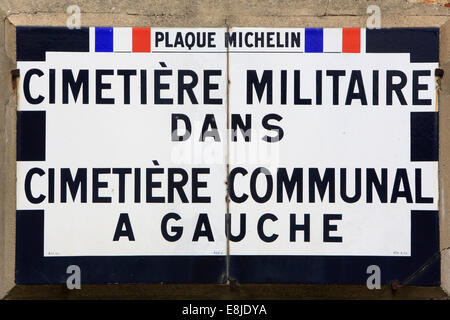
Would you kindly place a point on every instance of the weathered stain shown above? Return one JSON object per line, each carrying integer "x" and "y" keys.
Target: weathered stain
{"x": 15, "y": 74}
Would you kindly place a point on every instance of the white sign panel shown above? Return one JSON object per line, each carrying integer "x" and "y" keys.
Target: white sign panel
{"x": 306, "y": 144}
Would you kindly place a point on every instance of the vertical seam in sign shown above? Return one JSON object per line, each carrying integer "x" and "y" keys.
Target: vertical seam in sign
{"x": 227, "y": 166}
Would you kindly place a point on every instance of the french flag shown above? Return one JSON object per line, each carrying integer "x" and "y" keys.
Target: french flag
{"x": 346, "y": 40}
{"x": 127, "y": 39}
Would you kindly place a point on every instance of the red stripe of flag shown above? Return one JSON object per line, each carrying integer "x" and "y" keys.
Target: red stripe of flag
{"x": 141, "y": 40}
{"x": 351, "y": 40}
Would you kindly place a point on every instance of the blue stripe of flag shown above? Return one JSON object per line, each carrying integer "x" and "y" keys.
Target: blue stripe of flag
{"x": 313, "y": 40}
{"x": 103, "y": 39}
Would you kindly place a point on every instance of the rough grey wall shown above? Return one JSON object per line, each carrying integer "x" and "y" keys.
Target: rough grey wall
{"x": 7, "y": 160}
{"x": 209, "y": 13}
{"x": 202, "y": 13}
{"x": 444, "y": 155}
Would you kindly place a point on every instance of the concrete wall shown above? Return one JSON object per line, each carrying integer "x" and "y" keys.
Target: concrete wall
{"x": 210, "y": 13}
{"x": 444, "y": 155}
{"x": 7, "y": 156}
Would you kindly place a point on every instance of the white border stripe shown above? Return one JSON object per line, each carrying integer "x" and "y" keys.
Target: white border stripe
{"x": 363, "y": 40}
{"x": 91, "y": 39}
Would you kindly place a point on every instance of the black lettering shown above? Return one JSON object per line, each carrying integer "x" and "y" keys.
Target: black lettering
{"x": 260, "y": 86}
{"x": 305, "y": 227}
{"x": 262, "y": 235}
{"x": 124, "y": 220}
{"x": 96, "y": 185}
{"x": 74, "y": 184}
{"x": 178, "y": 231}
{"x": 328, "y": 181}
{"x": 327, "y": 227}
{"x": 199, "y": 232}
{"x": 28, "y": 192}
{"x": 75, "y": 85}
{"x": 397, "y": 88}
{"x": 418, "y": 87}
{"x": 100, "y": 86}
{"x": 242, "y": 229}
{"x": 187, "y": 86}
{"x": 126, "y": 83}
{"x": 26, "y": 86}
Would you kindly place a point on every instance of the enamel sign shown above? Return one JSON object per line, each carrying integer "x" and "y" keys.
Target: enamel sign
{"x": 278, "y": 155}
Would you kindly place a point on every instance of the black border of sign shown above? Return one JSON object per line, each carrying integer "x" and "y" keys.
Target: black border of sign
{"x": 349, "y": 269}
{"x": 33, "y": 268}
